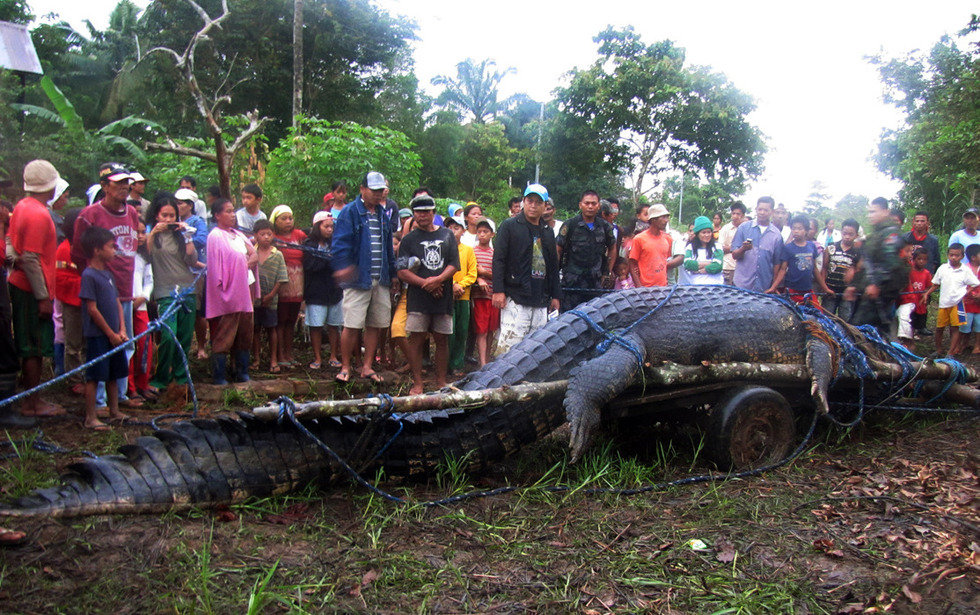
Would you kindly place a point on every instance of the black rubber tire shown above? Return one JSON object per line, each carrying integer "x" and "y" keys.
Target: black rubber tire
{"x": 750, "y": 427}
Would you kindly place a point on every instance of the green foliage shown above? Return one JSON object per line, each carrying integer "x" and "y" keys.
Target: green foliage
{"x": 320, "y": 152}
{"x": 164, "y": 170}
{"x": 937, "y": 153}
{"x": 474, "y": 90}
{"x": 15, "y": 11}
{"x": 645, "y": 110}
{"x": 471, "y": 161}
{"x": 701, "y": 198}
{"x": 356, "y": 62}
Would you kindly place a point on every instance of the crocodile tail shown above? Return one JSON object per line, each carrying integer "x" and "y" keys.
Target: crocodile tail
{"x": 597, "y": 381}
{"x": 199, "y": 463}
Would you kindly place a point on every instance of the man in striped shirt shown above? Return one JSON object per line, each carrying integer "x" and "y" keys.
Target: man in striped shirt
{"x": 364, "y": 264}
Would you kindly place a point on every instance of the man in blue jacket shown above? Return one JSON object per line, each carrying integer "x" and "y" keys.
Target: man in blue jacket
{"x": 364, "y": 264}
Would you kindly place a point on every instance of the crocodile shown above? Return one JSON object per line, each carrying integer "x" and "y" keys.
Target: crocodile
{"x": 600, "y": 348}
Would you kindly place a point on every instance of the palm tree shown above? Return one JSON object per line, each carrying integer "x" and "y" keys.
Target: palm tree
{"x": 474, "y": 90}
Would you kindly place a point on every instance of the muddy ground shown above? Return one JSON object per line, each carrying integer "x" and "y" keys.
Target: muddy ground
{"x": 885, "y": 518}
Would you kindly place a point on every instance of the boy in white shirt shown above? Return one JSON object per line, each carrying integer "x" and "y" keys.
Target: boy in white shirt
{"x": 953, "y": 281}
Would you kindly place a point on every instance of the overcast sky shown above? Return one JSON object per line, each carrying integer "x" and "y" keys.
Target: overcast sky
{"x": 819, "y": 101}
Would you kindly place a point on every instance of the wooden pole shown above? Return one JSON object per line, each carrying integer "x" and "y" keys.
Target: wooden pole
{"x": 665, "y": 376}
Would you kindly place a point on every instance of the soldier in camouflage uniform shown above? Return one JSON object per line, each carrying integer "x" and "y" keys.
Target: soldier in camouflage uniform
{"x": 586, "y": 252}
{"x": 883, "y": 273}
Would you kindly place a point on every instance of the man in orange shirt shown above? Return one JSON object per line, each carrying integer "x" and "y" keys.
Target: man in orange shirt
{"x": 651, "y": 255}
{"x": 34, "y": 239}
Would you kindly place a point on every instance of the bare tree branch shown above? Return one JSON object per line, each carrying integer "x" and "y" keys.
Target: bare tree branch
{"x": 255, "y": 124}
{"x": 173, "y": 148}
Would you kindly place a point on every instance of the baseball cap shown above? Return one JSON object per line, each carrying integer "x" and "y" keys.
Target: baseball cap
{"x": 374, "y": 181}
{"x": 657, "y": 210}
{"x": 136, "y": 176}
{"x": 422, "y": 202}
{"x": 537, "y": 189}
{"x": 404, "y": 212}
{"x": 455, "y": 220}
{"x": 488, "y": 222}
{"x": 185, "y": 194}
{"x": 320, "y": 216}
{"x": 114, "y": 173}
{"x": 40, "y": 176}
{"x": 970, "y": 212}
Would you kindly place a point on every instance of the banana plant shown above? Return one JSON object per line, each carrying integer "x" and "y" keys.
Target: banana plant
{"x": 65, "y": 116}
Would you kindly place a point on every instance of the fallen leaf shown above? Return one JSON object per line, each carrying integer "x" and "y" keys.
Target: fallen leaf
{"x": 911, "y": 595}
{"x": 226, "y": 516}
{"x": 725, "y": 551}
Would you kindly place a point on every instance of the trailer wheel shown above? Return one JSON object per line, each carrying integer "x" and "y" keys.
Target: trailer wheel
{"x": 750, "y": 427}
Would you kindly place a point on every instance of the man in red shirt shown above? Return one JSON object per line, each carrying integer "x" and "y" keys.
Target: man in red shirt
{"x": 34, "y": 240}
{"x": 651, "y": 254}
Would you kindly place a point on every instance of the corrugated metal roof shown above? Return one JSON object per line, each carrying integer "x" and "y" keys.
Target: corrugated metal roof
{"x": 17, "y": 50}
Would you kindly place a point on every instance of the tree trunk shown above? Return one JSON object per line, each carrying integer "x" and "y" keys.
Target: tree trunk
{"x": 297, "y": 60}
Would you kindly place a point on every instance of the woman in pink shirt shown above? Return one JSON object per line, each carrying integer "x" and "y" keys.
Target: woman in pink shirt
{"x": 232, "y": 284}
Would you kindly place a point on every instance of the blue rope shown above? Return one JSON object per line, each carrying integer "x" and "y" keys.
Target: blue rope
{"x": 153, "y": 326}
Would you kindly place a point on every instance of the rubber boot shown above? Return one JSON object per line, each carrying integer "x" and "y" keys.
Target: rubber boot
{"x": 10, "y": 418}
{"x": 241, "y": 369}
{"x": 219, "y": 365}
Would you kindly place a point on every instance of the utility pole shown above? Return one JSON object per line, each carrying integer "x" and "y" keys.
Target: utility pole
{"x": 537, "y": 165}
{"x": 297, "y": 59}
{"x": 680, "y": 212}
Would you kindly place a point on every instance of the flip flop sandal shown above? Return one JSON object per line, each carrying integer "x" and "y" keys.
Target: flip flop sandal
{"x": 374, "y": 377}
{"x": 315, "y": 365}
{"x": 342, "y": 377}
{"x": 335, "y": 364}
{"x": 275, "y": 369}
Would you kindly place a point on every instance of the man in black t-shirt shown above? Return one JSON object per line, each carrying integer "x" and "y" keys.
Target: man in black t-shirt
{"x": 427, "y": 260}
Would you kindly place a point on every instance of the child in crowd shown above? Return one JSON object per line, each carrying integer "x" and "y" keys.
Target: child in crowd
{"x": 703, "y": 256}
{"x": 251, "y": 211}
{"x": 142, "y": 361}
{"x": 953, "y": 280}
{"x": 172, "y": 255}
{"x": 322, "y": 295}
{"x": 798, "y": 271}
{"x": 399, "y": 316}
{"x": 290, "y": 293}
{"x": 66, "y": 283}
{"x": 486, "y": 318}
{"x": 840, "y": 261}
{"x": 462, "y": 281}
{"x": 971, "y": 302}
{"x": 912, "y": 303}
{"x": 102, "y": 324}
{"x": 622, "y": 272}
{"x": 272, "y": 275}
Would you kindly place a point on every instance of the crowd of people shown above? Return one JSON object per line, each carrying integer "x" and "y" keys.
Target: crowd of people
{"x": 404, "y": 286}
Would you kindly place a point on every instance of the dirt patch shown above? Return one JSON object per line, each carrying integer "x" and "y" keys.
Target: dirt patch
{"x": 883, "y": 518}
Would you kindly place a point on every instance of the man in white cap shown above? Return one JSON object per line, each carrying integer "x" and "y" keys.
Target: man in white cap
{"x": 33, "y": 238}
{"x": 525, "y": 271}
{"x": 136, "y": 190}
{"x": 364, "y": 264}
{"x": 652, "y": 251}
{"x": 122, "y": 220}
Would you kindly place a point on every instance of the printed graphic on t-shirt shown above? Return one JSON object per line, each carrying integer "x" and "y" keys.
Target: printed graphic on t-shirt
{"x": 433, "y": 259}
{"x": 537, "y": 259}
{"x": 804, "y": 261}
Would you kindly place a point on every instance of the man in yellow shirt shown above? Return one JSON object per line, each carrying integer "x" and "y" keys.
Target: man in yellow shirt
{"x": 462, "y": 281}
